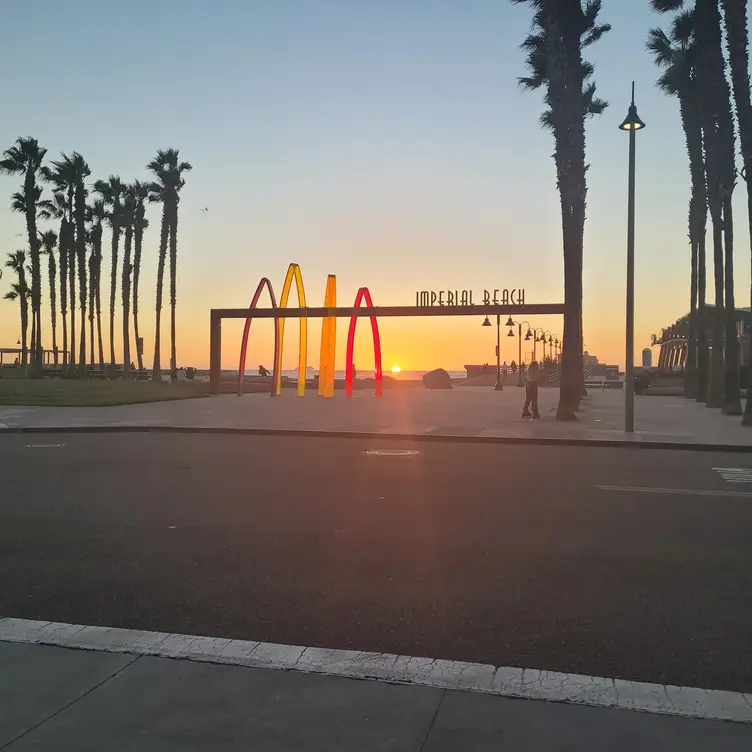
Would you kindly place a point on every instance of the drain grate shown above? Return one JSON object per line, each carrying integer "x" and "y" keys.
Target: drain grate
{"x": 393, "y": 452}
{"x": 735, "y": 474}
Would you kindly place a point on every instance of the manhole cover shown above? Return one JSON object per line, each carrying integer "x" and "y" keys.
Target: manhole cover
{"x": 393, "y": 452}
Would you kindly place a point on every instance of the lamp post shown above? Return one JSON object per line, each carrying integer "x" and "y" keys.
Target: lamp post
{"x": 539, "y": 338}
{"x": 510, "y": 323}
{"x": 497, "y": 385}
{"x": 632, "y": 123}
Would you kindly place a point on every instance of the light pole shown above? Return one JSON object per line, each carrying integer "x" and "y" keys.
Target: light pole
{"x": 510, "y": 323}
{"x": 632, "y": 123}
{"x": 541, "y": 338}
{"x": 497, "y": 385}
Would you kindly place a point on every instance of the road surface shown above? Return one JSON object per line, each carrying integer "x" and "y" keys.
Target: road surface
{"x": 622, "y": 563}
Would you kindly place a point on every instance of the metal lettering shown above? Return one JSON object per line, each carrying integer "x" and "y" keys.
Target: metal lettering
{"x": 464, "y": 299}
{"x": 521, "y": 297}
{"x": 423, "y": 298}
{"x": 505, "y": 297}
{"x": 486, "y": 297}
{"x": 496, "y": 297}
{"x": 441, "y": 297}
{"x": 450, "y": 298}
{"x": 433, "y": 297}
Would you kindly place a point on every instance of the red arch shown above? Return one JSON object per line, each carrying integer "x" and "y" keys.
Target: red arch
{"x": 246, "y": 331}
{"x": 363, "y": 294}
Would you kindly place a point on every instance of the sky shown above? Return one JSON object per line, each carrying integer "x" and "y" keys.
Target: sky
{"x": 386, "y": 142}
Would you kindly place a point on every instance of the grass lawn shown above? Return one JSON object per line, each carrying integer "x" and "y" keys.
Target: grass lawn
{"x": 91, "y": 393}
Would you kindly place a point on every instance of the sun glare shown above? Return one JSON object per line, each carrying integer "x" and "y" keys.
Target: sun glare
{"x": 396, "y": 369}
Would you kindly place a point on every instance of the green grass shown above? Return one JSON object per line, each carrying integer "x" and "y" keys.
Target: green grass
{"x": 90, "y": 393}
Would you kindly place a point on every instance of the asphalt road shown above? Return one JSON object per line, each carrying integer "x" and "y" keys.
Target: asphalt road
{"x": 502, "y": 554}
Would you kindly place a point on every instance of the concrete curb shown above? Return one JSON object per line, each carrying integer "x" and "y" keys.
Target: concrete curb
{"x": 418, "y": 437}
{"x": 532, "y": 684}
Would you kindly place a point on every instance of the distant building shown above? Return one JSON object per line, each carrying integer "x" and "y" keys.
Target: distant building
{"x": 647, "y": 358}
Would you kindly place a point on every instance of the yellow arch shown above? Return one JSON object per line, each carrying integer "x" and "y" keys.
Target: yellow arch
{"x": 328, "y": 340}
{"x": 293, "y": 272}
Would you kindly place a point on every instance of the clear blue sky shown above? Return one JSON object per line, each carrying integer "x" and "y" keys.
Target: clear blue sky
{"x": 385, "y": 141}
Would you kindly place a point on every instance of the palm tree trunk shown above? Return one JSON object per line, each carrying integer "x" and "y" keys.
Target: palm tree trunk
{"x": 702, "y": 318}
{"x": 715, "y": 385}
{"x": 173, "y": 291}
{"x": 72, "y": 292}
{"x": 92, "y": 298}
{"x": 24, "y": 327}
{"x": 690, "y": 382}
{"x": 126, "y": 295}
{"x": 113, "y": 292}
{"x": 51, "y": 273}
{"x": 98, "y": 296}
{"x": 136, "y": 275}
{"x": 747, "y": 419}
{"x": 156, "y": 371}
{"x": 732, "y": 404}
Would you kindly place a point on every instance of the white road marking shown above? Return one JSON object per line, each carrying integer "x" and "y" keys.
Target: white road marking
{"x": 393, "y": 452}
{"x": 735, "y": 474}
{"x": 42, "y": 446}
{"x": 679, "y": 491}
{"x": 403, "y": 669}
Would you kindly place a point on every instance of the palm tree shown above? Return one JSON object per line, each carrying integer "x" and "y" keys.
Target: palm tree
{"x": 111, "y": 191}
{"x": 561, "y": 30}
{"x": 674, "y": 55}
{"x": 142, "y": 193}
{"x": 49, "y": 243}
{"x": 97, "y": 214}
{"x": 58, "y": 209}
{"x": 25, "y": 158}
{"x": 168, "y": 170}
{"x": 128, "y": 215}
{"x": 64, "y": 177}
{"x": 20, "y": 290}
{"x": 737, "y": 42}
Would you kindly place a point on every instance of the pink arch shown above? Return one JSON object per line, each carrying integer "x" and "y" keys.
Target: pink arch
{"x": 247, "y": 330}
{"x": 363, "y": 294}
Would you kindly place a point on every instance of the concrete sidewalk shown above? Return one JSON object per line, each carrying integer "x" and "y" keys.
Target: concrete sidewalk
{"x": 78, "y": 700}
{"x": 475, "y": 413}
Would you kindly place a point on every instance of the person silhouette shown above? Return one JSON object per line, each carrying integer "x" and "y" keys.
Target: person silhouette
{"x": 531, "y": 392}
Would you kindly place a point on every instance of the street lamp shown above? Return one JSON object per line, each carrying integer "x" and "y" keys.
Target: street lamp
{"x": 632, "y": 123}
{"x": 510, "y": 323}
{"x": 539, "y": 338}
{"x": 486, "y": 322}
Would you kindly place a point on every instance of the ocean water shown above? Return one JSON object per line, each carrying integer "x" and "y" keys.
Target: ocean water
{"x": 361, "y": 374}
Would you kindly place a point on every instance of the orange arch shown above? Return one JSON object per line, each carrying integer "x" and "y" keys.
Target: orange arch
{"x": 293, "y": 273}
{"x": 247, "y": 329}
{"x": 328, "y": 340}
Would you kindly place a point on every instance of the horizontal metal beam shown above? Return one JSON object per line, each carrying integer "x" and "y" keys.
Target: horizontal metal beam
{"x": 541, "y": 309}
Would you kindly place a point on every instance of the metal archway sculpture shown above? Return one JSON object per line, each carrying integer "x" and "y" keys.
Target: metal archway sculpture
{"x": 363, "y": 294}
{"x": 293, "y": 272}
{"x": 247, "y": 329}
{"x": 328, "y": 340}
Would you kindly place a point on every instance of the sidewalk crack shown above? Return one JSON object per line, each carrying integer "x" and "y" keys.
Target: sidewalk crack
{"x": 433, "y": 720}
{"x": 71, "y": 703}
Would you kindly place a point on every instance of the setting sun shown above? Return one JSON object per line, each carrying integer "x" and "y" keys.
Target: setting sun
{"x": 396, "y": 369}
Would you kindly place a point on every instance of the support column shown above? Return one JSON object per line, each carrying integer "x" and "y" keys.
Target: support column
{"x": 215, "y": 352}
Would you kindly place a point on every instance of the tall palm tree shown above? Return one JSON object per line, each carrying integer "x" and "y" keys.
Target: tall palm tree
{"x": 49, "y": 243}
{"x": 142, "y": 193}
{"x": 97, "y": 214}
{"x": 16, "y": 262}
{"x": 718, "y": 133}
{"x": 22, "y": 294}
{"x": 25, "y": 158}
{"x": 58, "y": 209}
{"x": 63, "y": 175}
{"x": 675, "y": 55}
{"x": 168, "y": 171}
{"x": 561, "y": 30}
{"x": 128, "y": 215}
{"x": 737, "y": 42}
{"x": 82, "y": 172}
{"x": 111, "y": 191}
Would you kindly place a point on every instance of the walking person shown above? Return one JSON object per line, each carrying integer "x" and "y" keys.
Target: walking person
{"x": 531, "y": 392}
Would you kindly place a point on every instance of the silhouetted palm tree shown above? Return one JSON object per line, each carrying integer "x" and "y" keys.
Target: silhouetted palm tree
{"x": 16, "y": 262}
{"x": 111, "y": 191}
{"x": 97, "y": 215}
{"x": 25, "y": 158}
{"x": 58, "y": 209}
{"x": 675, "y": 55}
{"x": 128, "y": 214}
{"x": 168, "y": 171}
{"x": 142, "y": 193}
{"x": 561, "y": 30}
{"x": 737, "y": 41}
{"x": 49, "y": 243}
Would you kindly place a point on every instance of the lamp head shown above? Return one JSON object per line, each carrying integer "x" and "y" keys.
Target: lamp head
{"x": 510, "y": 333}
{"x": 632, "y": 121}
{"x": 527, "y": 336}
{"x": 486, "y": 322}
{"x": 509, "y": 322}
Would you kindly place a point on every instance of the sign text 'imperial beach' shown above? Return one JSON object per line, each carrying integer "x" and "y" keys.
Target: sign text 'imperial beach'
{"x": 515, "y": 296}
